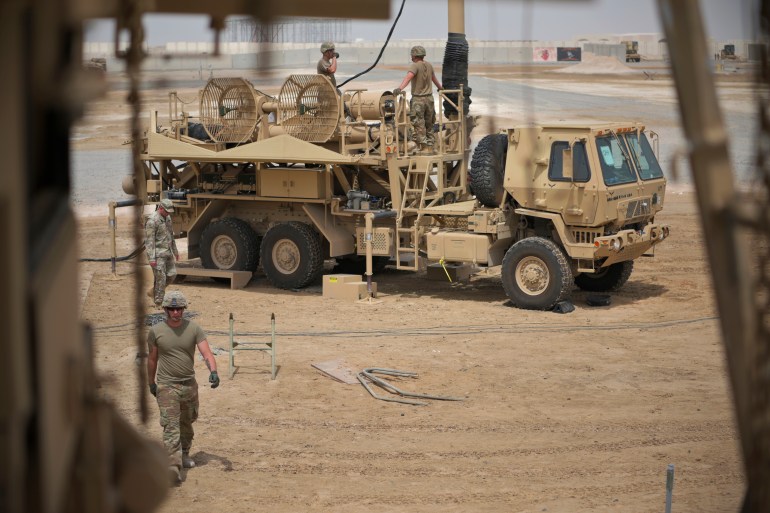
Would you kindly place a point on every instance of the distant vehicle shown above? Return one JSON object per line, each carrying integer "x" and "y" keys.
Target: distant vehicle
{"x": 728, "y": 53}
{"x": 632, "y": 51}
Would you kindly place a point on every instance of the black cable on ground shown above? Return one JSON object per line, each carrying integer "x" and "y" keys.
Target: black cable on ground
{"x": 370, "y": 68}
{"x": 118, "y": 259}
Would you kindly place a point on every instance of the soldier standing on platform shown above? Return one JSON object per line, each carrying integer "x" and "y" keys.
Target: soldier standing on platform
{"x": 422, "y": 109}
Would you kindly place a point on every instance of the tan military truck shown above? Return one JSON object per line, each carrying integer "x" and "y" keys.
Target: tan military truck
{"x": 290, "y": 181}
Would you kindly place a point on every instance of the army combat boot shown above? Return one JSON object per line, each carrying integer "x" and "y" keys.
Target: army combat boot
{"x": 426, "y": 149}
{"x": 187, "y": 461}
{"x": 175, "y": 478}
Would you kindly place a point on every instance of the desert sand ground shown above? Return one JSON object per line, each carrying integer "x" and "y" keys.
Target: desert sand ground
{"x": 560, "y": 413}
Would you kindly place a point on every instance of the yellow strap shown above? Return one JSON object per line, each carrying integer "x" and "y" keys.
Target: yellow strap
{"x": 447, "y": 272}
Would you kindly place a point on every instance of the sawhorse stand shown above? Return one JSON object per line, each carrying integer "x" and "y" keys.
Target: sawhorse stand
{"x": 257, "y": 346}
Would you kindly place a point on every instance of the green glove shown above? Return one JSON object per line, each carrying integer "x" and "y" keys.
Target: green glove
{"x": 154, "y": 389}
{"x": 214, "y": 379}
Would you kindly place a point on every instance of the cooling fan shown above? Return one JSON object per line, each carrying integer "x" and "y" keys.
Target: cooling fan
{"x": 228, "y": 109}
{"x": 309, "y": 108}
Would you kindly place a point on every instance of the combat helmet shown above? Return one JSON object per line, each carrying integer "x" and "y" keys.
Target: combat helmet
{"x": 417, "y": 51}
{"x": 174, "y": 299}
{"x": 167, "y": 205}
{"x": 328, "y": 45}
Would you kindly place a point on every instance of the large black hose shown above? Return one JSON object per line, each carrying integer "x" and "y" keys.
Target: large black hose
{"x": 455, "y": 72}
{"x": 382, "y": 50}
{"x": 131, "y": 255}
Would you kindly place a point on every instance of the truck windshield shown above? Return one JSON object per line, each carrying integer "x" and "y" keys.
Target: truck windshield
{"x": 615, "y": 167}
{"x": 646, "y": 163}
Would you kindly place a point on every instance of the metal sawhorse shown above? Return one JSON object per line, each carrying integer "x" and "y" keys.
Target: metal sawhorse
{"x": 260, "y": 346}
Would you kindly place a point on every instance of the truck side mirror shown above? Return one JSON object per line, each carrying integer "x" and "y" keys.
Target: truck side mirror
{"x": 566, "y": 164}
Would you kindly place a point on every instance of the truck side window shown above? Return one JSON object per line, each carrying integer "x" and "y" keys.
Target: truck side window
{"x": 580, "y": 170}
{"x": 616, "y": 169}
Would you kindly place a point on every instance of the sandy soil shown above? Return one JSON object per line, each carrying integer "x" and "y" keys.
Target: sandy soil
{"x": 576, "y": 412}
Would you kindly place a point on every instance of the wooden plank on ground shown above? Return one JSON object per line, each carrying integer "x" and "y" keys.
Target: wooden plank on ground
{"x": 338, "y": 370}
{"x": 238, "y": 279}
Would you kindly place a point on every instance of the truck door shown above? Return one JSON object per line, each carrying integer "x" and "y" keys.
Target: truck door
{"x": 573, "y": 192}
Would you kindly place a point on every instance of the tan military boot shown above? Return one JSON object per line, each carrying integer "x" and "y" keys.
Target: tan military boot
{"x": 426, "y": 149}
{"x": 174, "y": 476}
{"x": 187, "y": 461}
{"x": 151, "y": 292}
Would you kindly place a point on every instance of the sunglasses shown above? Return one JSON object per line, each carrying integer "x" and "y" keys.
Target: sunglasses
{"x": 174, "y": 308}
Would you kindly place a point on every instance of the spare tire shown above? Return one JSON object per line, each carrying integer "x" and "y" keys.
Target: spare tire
{"x": 488, "y": 169}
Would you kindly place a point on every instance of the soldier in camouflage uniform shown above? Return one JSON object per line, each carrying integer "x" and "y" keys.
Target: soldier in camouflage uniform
{"x": 422, "y": 110}
{"x": 161, "y": 248}
{"x": 171, "y": 347}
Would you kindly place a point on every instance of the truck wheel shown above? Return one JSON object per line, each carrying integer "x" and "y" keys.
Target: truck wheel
{"x": 291, "y": 255}
{"x": 230, "y": 244}
{"x": 607, "y": 278}
{"x": 488, "y": 168}
{"x": 356, "y": 264}
{"x": 536, "y": 274}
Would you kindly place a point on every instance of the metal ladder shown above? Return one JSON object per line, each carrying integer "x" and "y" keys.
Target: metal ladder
{"x": 413, "y": 202}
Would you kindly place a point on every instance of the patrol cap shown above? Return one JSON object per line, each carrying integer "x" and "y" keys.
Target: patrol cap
{"x": 417, "y": 51}
{"x": 167, "y": 205}
{"x": 174, "y": 299}
{"x": 328, "y": 45}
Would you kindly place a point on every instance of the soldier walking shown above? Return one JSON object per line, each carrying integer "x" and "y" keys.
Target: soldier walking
{"x": 171, "y": 374}
{"x": 422, "y": 110}
{"x": 161, "y": 249}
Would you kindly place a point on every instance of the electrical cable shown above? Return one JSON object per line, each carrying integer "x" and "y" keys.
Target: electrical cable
{"x": 117, "y": 259}
{"x": 382, "y": 50}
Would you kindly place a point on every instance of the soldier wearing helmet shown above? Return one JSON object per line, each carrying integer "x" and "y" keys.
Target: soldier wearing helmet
{"x": 161, "y": 249}
{"x": 422, "y": 110}
{"x": 327, "y": 65}
{"x": 171, "y": 374}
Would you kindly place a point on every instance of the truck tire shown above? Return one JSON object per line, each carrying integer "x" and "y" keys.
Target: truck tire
{"x": 291, "y": 255}
{"x": 607, "y": 278}
{"x": 536, "y": 274}
{"x": 356, "y": 264}
{"x": 488, "y": 169}
{"x": 230, "y": 244}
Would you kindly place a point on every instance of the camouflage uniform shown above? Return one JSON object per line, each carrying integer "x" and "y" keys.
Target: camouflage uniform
{"x": 178, "y": 406}
{"x": 161, "y": 248}
{"x": 422, "y": 115}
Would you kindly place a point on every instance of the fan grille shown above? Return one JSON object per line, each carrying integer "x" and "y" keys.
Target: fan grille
{"x": 308, "y": 108}
{"x": 228, "y": 110}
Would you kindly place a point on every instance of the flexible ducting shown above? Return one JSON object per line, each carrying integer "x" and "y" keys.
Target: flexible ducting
{"x": 455, "y": 71}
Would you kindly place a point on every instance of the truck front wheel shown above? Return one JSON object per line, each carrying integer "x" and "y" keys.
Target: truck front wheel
{"x": 536, "y": 274}
{"x": 230, "y": 244}
{"x": 291, "y": 255}
{"x": 607, "y": 278}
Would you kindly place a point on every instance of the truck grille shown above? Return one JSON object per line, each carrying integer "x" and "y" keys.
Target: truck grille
{"x": 585, "y": 236}
{"x": 638, "y": 208}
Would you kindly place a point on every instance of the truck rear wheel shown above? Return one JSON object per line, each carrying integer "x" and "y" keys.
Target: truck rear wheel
{"x": 488, "y": 169}
{"x": 230, "y": 244}
{"x": 291, "y": 255}
{"x": 536, "y": 274}
{"x": 607, "y": 278}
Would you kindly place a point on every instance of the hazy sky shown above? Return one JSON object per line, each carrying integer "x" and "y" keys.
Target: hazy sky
{"x": 491, "y": 20}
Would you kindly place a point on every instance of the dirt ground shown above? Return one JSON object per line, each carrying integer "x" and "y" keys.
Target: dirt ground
{"x": 560, "y": 413}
